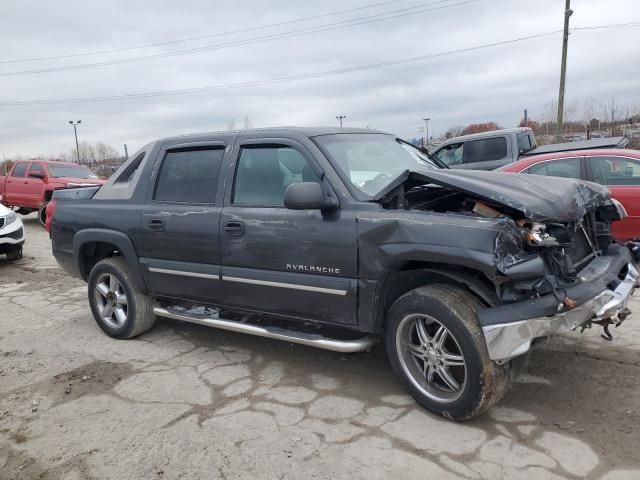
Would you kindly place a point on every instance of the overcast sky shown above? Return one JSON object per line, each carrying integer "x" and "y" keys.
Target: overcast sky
{"x": 493, "y": 84}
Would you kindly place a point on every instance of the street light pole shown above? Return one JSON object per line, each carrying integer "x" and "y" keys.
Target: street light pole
{"x": 340, "y": 118}
{"x": 75, "y": 131}
{"x": 426, "y": 132}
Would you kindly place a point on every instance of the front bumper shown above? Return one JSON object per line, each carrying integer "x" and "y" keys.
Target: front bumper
{"x": 510, "y": 339}
{"x": 13, "y": 234}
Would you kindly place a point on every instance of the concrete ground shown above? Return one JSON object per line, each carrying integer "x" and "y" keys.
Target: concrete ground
{"x": 185, "y": 401}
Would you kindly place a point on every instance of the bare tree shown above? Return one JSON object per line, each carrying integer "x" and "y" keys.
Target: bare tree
{"x": 105, "y": 153}
{"x": 610, "y": 111}
{"x": 231, "y": 124}
{"x": 247, "y": 122}
{"x": 549, "y": 116}
{"x": 588, "y": 111}
{"x": 454, "y": 132}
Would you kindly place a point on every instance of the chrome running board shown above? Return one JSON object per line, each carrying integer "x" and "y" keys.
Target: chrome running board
{"x": 302, "y": 338}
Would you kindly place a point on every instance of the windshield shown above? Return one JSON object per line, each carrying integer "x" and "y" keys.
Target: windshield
{"x": 71, "y": 172}
{"x": 370, "y": 161}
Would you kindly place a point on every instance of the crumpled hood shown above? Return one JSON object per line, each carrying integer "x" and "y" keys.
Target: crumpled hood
{"x": 538, "y": 198}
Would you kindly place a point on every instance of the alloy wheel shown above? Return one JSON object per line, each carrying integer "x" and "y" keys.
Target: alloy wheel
{"x": 111, "y": 300}
{"x": 431, "y": 358}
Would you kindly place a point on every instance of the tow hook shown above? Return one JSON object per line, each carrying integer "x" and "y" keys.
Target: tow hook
{"x": 635, "y": 250}
{"x": 606, "y": 322}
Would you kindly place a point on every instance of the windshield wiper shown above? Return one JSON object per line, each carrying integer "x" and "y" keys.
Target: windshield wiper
{"x": 436, "y": 162}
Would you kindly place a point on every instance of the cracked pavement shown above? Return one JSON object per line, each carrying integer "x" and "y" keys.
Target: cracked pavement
{"x": 185, "y": 401}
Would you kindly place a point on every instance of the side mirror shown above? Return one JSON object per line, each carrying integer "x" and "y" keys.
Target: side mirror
{"x": 39, "y": 175}
{"x": 307, "y": 196}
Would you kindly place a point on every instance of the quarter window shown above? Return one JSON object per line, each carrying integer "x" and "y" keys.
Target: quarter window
{"x": 264, "y": 173}
{"x": 129, "y": 169}
{"x": 189, "y": 176}
{"x": 19, "y": 170}
{"x": 487, "y": 149}
{"x": 565, "y": 168}
{"x": 451, "y": 154}
{"x": 614, "y": 170}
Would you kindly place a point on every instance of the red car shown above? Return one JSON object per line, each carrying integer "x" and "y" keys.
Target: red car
{"x": 30, "y": 183}
{"x": 617, "y": 169}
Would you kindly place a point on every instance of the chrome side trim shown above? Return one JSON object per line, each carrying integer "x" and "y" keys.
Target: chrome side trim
{"x": 508, "y": 340}
{"x": 183, "y": 274}
{"x": 292, "y": 286}
{"x": 302, "y": 338}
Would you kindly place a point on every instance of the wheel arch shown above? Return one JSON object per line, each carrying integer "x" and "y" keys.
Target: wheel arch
{"x": 95, "y": 244}
{"x": 406, "y": 276}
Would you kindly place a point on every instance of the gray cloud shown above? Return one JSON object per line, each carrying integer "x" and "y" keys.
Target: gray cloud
{"x": 493, "y": 84}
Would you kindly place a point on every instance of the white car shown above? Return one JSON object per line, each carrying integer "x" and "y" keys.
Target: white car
{"x": 11, "y": 234}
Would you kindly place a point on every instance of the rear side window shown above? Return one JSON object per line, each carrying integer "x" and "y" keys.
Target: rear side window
{"x": 565, "y": 168}
{"x": 614, "y": 170}
{"x": 20, "y": 169}
{"x": 189, "y": 176}
{"x": 487, "y": 149}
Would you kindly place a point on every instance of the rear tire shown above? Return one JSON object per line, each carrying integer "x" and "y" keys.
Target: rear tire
{"x": 42, "y": 214}
{"x": 437, "y": 348}
{"x": 119, "y": 308}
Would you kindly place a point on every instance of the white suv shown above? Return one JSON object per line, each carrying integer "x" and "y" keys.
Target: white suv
{"x": 11, "y": 234}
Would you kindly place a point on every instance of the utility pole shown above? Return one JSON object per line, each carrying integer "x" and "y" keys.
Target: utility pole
{"x": 75, "y": 131}
{"x": 126, "y": 153}
{"x": 563, "y": 70}
{"x": 526, "y": 118}
{"x": 426, "y": 132}
{"x": 340, "y": 118}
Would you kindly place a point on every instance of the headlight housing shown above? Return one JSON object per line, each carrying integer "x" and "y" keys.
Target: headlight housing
{"x": 9, "y": 219}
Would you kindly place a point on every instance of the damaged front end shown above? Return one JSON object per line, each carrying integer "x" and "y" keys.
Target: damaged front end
{"x": 557, "y": 266}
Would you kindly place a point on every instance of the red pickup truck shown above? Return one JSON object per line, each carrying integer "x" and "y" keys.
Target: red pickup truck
{"x": 30, "y": 183}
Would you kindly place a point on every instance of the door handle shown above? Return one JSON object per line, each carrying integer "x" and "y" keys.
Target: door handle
{"x": 156, "y": 224}
{"x": 233, "y": 229}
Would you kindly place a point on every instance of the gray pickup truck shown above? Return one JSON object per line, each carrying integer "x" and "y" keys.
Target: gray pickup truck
{"x": 495, "y": 149}
{"x": 336, "y": 238}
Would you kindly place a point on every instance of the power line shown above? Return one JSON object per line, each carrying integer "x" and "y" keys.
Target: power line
{"x": 274, "y": 80}
{"x": 201, "y": 37}
{"x": 611, "y": 25}
{"x": 308, "y": 76}
{"x": 265, "y": 38}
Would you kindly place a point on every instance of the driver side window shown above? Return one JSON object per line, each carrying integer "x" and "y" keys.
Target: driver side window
{"x": 451, "y": 154}
{"x": 264, "y": 172}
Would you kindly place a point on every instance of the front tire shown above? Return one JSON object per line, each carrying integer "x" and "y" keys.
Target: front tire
{"x": 437, "y": 348}
{"x": 15, "y": 254}
{"x": 119, "y": 308}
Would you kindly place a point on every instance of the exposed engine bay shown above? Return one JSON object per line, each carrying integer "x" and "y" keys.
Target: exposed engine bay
{"x": 538, "y": 251}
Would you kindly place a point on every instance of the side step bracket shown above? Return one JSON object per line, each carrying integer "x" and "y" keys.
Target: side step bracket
{"x": 278, "y": 333}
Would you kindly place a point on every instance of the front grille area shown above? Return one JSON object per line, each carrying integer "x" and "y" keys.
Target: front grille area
{"x": 2, "y": 220}
{"x": 17, "y": 235}
{"x": 581, "y": 247}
